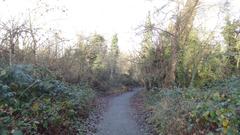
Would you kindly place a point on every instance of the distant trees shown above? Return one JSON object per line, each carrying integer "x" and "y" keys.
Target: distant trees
{"x": 97, "y": 53}
{"x": 89, "y": 60}
{"x": 13, "y": 35}
{"x": 232, "y": 40}
{"x": 147, "y": 54}
{"x": 113, "y": 56}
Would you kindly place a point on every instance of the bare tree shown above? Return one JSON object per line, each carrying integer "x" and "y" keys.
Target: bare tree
{"x": 11, "y": 34}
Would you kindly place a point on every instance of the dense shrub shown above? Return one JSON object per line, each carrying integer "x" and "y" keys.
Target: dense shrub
{"x": 214, "y": 109}
{"x": 217, "y": 110}
{"x": 32, "y": 101}
{"x": 169, "y": 110}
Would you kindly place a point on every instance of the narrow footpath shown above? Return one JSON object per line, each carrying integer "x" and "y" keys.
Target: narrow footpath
{"x": 117, "y": 119}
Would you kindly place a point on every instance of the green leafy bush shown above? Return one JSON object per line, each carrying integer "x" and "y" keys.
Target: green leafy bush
{"x": 218, "y": 110}
{"x": 214, "y": 109}
{"x": 32, "y": 101}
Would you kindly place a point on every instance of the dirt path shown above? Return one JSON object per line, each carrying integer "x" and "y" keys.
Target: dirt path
{"x": 117, "y": 119}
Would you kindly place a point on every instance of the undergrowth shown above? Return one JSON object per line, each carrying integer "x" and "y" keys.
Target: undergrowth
{"x": 33, "y": 101}
{"x": 214, "y": 109}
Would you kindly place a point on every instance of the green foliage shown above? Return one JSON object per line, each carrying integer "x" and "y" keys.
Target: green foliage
{"x": 147, "y": 55}
{"x": 113, "y": 57}
{"x": 212, "y": 109}
{"x": 217, "y": 109}
{"x": 98, "y": 51}
{"x": 114, "y": 50}
{"x": 199, "y": 59}
{"x": 33, "y": 102}
{"x": 232, "y": 41}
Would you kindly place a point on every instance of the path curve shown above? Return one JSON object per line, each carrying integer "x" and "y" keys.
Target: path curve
{"x": 117, "y": 119}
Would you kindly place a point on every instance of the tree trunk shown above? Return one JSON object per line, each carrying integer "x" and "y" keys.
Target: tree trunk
{"x": 171, "y": 74}
{"x": 173, "y": 64}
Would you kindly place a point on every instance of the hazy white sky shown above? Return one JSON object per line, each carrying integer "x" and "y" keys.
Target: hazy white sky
{"x": 88, "y": 16}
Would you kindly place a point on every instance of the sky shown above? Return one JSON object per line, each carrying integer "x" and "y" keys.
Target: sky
{"x": 105, "y": 17}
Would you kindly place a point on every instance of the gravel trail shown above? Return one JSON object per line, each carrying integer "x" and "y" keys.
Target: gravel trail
{"x": 117, "y": 119}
